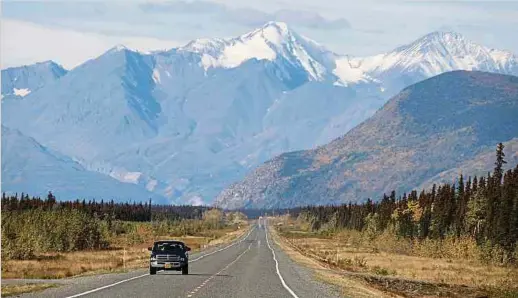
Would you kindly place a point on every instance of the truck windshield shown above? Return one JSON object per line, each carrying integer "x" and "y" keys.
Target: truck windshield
{"x": 168, "y": 247}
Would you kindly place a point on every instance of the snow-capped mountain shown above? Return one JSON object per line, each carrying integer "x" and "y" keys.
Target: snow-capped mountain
{"x": 187, "y": 122}
{"x": 20, "y": 81}
{"x": 439, "y": 52}
{"x": 273, "y": 42}
{"x": 431, "y": 55}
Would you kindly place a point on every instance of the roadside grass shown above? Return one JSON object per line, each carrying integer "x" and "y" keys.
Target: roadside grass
{"x": 349, "y": 287}
{"x": 12, "y": 290}
{"x": 401, "y": 273}
{"x": 115, "y": 259}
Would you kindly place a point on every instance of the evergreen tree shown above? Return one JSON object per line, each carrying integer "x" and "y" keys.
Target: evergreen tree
{"x": 504, "y": 221}
{"x": 513, "y": 230}
{"x": 499, "y": 163}
{"x": 461, "y": 207}
{"x": 494, "y": 196}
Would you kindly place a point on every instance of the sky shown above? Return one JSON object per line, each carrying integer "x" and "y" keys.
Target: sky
{"x": 71, "y": 32}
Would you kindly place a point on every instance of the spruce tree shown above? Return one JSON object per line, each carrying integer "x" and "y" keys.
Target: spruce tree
{"x": 461, "y": 207}
{"x": 499, "y": 163}
{"x": 482, "y": 184}
{"x": 513, "y": 230}
{"x": 504, "y": 211}
{"x": 440, "y": 212}
{"x": 494, "y": 196}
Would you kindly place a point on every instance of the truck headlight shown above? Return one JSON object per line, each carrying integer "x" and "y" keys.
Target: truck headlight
{"x": 182, "y": 259}
{"x": 152, "y": 258}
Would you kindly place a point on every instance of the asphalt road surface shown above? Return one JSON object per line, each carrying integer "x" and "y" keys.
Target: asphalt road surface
{"x": 252, "y": 266}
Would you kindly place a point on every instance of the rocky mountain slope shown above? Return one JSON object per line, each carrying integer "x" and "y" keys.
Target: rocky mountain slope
{"x": 20, "y": 81}
{"x": 187, "y": 122}
{"x": 31, "y": 168}
{"x": 431, "y": 127}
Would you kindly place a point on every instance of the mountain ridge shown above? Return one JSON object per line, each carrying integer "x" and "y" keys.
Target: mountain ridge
{"x": 22, "y": 80}
{"x": 409, "y": 140}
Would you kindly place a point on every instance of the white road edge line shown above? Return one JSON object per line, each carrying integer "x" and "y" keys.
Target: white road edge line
{"x": 108, "y": 286}
{"x": 147, "y": 274}
{"x": 277, "y": 264}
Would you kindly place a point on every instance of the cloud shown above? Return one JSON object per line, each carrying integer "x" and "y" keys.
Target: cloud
{"x": 26, "y": 43}
{"x": 194, "y": 7}
{"x": 246, "y": 16}
{"x": 309, "y": 19}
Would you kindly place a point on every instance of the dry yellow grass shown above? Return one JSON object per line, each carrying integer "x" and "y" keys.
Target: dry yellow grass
{"x": 11, "y": 290}
{"x": 229, "y": 236}
{"x": 61, "y": 265}
{"x": 400, "y": 267}
{"x": 56, "y": 265}
{"x": 456, "y": 272}
{"x": 350, "y": 287}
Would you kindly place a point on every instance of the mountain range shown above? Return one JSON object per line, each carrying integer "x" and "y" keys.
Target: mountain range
{"x": 183, "y": 124}
{"x": 425, "y": 134}
{"x": 29, "y": 167}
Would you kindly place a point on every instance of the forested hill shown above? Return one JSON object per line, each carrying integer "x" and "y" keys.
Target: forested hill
{"x": 429, "y": 128}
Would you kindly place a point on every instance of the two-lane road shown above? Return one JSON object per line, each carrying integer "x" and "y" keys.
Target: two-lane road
{"x": 252, "y": 266}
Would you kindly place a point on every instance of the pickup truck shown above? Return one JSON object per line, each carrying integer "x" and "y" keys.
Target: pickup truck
{"x": 169, "y": 255}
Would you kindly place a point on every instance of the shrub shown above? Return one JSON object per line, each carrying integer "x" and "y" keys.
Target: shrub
{"x": 27, "y": 233}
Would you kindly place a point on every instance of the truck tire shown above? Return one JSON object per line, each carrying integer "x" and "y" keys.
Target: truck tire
{"x": 152, "y": 270}
{"x": 185, "y": 270}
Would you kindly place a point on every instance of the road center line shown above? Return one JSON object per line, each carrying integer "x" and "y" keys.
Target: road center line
{"x": 216, "y": 274}
{"x": 277, "y": 264}
{"x": 147, "y": 274}
{"x": 237, "y": 242}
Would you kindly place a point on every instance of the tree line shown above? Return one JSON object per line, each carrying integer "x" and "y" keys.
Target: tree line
{"x": 482, "y": 208}
{"x": 32, "y": 226}
{"x": 110, "y": 210}
{"x": 256, "y": 212}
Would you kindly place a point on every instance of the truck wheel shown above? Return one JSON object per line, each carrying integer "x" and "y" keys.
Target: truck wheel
{"x": 185, "y": 270}
{"x": 152, "y": 270}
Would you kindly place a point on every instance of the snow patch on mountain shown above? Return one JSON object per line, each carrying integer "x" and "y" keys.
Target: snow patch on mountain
{"x": 21, "y": 92}
{"x": 347, "y": 72}
{"x": 156, "y": 76}
{"x": 127, "y": 177}
{"x": 151, "y": 185}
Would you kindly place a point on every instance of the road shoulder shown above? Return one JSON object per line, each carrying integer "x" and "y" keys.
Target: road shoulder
{"x": 346, "y": 286}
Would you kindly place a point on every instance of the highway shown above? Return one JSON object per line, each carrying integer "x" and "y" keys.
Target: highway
{"x": 252, "y": 266}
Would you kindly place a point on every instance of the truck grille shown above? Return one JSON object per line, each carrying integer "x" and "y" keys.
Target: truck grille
{"x": 167, "y": 258}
